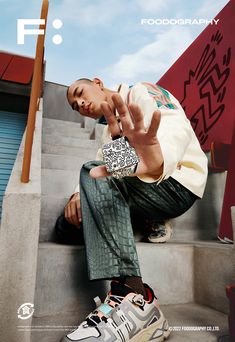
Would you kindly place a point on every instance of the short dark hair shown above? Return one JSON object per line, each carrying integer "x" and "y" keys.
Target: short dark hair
{"x": 85, "y": 80}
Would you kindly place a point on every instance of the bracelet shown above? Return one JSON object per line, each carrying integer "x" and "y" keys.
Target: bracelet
{"x": 121, "y": 159}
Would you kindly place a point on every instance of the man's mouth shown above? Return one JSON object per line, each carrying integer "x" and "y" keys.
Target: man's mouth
{"x": 88, "y": 108}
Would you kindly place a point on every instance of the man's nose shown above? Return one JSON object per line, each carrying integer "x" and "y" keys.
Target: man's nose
{"x": 80, "y": 103}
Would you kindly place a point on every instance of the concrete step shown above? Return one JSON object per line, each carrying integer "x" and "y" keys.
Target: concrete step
{"x": 51, "y": 208}
{"x": 181, "y": 318}
{"x": 62, "y": 162}
{"x": 233, "y": 221}
{"x": 59, "y": 124}
{"x": 68, "y": 141}
{"x": 202, "y": 220}
{"x": 67, "y": 132}
{"x": 88, "y": 151}
{"x": 59, "y": 183}
{"x": 178, "y": 272}
{"x": 64, "y": 128}
{"x": 66, "y": 272}
{"x": 171, "y": 277}
{"x": 214, "y": 268}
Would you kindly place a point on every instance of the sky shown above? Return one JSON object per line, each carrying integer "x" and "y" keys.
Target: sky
{"x": 107, "y": 38}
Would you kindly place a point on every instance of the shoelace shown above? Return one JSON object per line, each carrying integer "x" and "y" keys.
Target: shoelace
{"x": 104, "y": 309}
{"x": 159, "y": 231}
{"x": 155, "y": 228}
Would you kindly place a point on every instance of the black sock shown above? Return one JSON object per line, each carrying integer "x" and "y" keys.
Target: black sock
{"x": 134, "y": 282}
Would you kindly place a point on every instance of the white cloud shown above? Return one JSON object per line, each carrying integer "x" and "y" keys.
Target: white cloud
{"x": 152, "y": 5}
{"x": 151, "y": 61}
{"x": 209, "y": 9}
{"x": 87, "y": 13}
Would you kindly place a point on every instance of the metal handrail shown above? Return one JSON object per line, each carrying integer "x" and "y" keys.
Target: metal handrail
{"x": 34, "y": 96}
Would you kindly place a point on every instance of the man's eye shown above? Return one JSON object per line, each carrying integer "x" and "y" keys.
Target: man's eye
{"x": 74, "y": 106}
{"x": 80, "y": 92}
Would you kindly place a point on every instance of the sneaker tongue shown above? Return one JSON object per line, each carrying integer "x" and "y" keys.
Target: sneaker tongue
{"x": 119, "y": 289}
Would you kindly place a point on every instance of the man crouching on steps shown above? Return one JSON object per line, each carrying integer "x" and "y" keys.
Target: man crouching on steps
{"x": 170, "y": 175}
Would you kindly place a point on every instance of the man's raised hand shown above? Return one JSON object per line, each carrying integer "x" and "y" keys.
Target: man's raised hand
{"x": 144, "y": 141}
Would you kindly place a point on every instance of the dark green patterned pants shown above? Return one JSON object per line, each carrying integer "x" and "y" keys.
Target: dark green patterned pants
{"x": 106, "y": 205}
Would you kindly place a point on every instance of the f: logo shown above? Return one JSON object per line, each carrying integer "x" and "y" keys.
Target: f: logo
{"x": 22, "y": 31}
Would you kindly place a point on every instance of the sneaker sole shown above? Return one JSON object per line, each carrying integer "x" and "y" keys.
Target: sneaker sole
{"x": 225, "y": 239}
{"x": 157, "y": 332}
{"x": 161, "y": 239}
{"x": 158, "y": 240}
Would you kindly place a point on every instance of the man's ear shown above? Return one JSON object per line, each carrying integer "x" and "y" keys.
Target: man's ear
{"x": 98, "y": 82}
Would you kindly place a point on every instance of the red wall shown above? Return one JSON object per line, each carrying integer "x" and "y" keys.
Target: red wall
{"x": 202, "y": 79}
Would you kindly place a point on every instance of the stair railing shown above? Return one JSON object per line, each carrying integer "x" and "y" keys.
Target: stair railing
{"x": 34, "y": 95}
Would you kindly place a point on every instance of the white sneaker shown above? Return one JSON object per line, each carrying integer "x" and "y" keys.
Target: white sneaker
{"x": 161, "y": 232}
{"x": 124, "y": 316}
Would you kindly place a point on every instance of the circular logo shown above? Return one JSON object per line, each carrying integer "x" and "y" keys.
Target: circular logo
{"x": 25, "y": 311}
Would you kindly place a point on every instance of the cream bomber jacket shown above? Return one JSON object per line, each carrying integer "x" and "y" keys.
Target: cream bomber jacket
{"x": 183, "y": 157}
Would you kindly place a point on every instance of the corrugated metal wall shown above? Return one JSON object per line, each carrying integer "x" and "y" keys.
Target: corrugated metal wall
{"x": 12, "y": 126}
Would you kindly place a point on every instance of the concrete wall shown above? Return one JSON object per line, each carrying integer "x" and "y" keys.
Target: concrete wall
{"x": 19, "y": 242}
{"x": 213, "y": 269}
{"x": 55, "y": 104}
{"x": 202, "y": 220}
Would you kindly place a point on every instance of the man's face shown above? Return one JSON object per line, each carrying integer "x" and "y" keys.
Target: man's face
{"x": 86, "y": 98}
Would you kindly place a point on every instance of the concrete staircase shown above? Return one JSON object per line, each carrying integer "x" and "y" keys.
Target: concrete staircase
{"x": 188, "y": 274}
{"x": 62, "y": 157}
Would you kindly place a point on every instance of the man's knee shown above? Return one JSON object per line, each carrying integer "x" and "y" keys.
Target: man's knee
{"x": 86, "y": 167}
{"x": 85, "y": 179}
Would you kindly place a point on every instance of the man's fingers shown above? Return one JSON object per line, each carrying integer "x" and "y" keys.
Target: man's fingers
{"x": 155, "y": 122}
{"x": 74, "y": 213}
{"x": 71, "y": 214}
{"x": 137, "y": 116}
{"x": 111, "y": 119}
{"x": 99, "y": 172}
{"x": 79, "y": 213}
{"x": 123, "y": 113}
{"x": 68, "y": 213}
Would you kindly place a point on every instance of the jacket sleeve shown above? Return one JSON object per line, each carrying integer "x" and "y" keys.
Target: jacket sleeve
{"x": 77, "y": 189}
{"x": 174, "y": 133}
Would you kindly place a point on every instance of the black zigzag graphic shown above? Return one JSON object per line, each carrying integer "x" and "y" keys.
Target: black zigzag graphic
{"x": 208, "y": 83}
